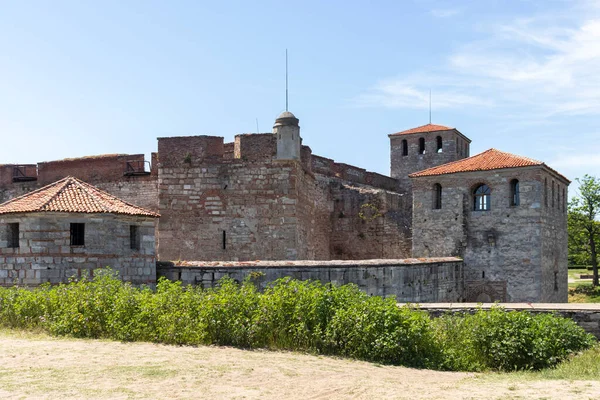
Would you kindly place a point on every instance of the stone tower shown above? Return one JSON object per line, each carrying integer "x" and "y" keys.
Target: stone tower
{"x": 424, "y": 147}
{"x": 287, "y": 131}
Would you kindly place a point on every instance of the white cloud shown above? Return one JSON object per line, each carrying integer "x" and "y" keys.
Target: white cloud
{"x": 544, "y": 65}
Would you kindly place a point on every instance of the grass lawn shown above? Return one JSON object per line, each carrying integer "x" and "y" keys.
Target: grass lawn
{"x": 39, "y": 366}
{"x": 581, "y": 290}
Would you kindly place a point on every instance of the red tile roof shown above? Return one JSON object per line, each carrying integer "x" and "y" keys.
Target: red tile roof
{"x": 424, "y": 129}
{"x": 488, "y": 160}
{"x": 74, "y": 196}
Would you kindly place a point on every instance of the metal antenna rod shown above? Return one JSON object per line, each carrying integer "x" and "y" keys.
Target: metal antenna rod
{"x": 286, "y": 81}
{"x": 257, "y": 131}
{"x": 429, "y": 106}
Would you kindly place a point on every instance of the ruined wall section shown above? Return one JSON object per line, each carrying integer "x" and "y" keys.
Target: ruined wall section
{"x": 127, "y": 176}
{"x": 215, "y": 208}
{"x": 367, "y": 223}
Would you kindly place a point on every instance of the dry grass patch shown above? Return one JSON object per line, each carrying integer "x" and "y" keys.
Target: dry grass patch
{"x": 38, "y": 366}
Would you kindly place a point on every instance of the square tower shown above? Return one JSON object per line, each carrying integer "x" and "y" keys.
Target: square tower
{"x": 424, "y": 147}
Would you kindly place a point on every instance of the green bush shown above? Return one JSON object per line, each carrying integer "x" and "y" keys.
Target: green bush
{"x": 294, "y": 315}
{"x": 508, "y": 340}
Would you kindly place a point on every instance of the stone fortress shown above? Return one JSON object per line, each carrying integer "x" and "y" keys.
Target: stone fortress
{"x": 443, "y": 227}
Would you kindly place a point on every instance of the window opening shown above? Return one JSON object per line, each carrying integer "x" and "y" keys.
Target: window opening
{"x": 564, "y": 200}
{"x": 421, "y": 146}
{"x": 439, "y": 144}
{"x": 134, "y": 237}
{"x": 77, "y": 234}
{"x": 404, "y": 147}
{"x": 481, "y": 198}
{"x": 437, "y": 196}
{"x": 546, "y": 192}
{"x": 224, "y": 240}
{"x": 514, "y": 192}
{"x": 552, "y": 194}
{"x": 458, "y": 148}
{"x": 13, "y": 235}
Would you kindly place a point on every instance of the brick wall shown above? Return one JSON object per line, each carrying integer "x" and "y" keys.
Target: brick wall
{"x": 45, "y": 254}
{"x": 408, "y": 280}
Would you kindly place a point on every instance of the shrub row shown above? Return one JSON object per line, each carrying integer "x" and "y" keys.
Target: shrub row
{"x": 294, "y": 315}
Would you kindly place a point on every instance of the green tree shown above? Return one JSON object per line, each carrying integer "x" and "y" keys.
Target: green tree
{"x": 583, "y": 225}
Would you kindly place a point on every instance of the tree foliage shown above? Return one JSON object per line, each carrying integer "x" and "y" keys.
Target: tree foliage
{"x": 583, "y": 224}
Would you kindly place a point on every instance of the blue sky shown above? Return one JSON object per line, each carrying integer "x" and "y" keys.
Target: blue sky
{"x": 91, "y": 77}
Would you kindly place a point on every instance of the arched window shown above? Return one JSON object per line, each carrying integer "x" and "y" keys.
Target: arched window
{"x": 437, "y": 196}
{"x": 421, "y": 145}
{"x": 481, "y": 198}
{"x": 439, "y": 143}
{"x": 514, "y": 193}
{"x": 546, "y": 192}
{"x": 404, "y": 147}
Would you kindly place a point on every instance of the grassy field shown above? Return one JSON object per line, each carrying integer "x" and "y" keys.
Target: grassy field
{"x": 42, "y": 367}
{"x": 581, "y": 290}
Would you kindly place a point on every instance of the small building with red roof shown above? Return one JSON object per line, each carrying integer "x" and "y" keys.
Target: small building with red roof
{"x": 71, "y": 228}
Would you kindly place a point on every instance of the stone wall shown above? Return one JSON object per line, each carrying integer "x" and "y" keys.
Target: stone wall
{"x": 414, "y": 280}
{"x": 505, "y": 256}
{"x": 46, "y": 255}
{"x": 368, "y": 223}
{"x": 586, "y": 316}
{"x": 252, "y": 206}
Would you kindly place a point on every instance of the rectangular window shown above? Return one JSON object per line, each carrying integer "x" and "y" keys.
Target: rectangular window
{"x": 77, "y": 234}
{"x": 224, "y": 240}
{"x": 134, "y": 237}
{"x": 13, "y": 235}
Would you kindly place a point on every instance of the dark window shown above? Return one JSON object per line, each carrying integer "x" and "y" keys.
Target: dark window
{"x": 564, "y": 200}
{"x": 224, "y": 240}
{"x": 421, "y": 145}
{"x": 404, "y": 147}
{"x": 77, "y": 234}
{"x": 552, "y": 198}
{"x": 437, "y": 196}
{"x": 13, "y": 235}
{"x": 466, "y": 149}
{"x": 439, "y": 144}
{"x": 546, "y": 192}
{"x": 134, "y": 237}
{"x": 458, "y": 147}
{"x": 481, "y": 198}
{"x": 558, "y": 196}
{"x": 514, "y": 193}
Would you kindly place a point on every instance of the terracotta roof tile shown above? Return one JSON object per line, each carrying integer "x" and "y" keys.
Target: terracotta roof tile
{"x": 72, "y": 195}
{"x": 424, "y": 129}
{"x": 488, "y": 160}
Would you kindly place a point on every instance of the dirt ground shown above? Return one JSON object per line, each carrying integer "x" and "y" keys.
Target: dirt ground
{"x": 41, "y": 367}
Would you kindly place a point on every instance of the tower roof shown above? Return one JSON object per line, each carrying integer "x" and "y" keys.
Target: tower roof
{"x": 424, "y": 129}
{"x": 74, "y": 196}
{"x": 488, "y": 160}
{"x": 286, "y": 118}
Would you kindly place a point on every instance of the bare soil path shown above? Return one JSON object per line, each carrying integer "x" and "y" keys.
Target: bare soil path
{"x": 36, "y": 366}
